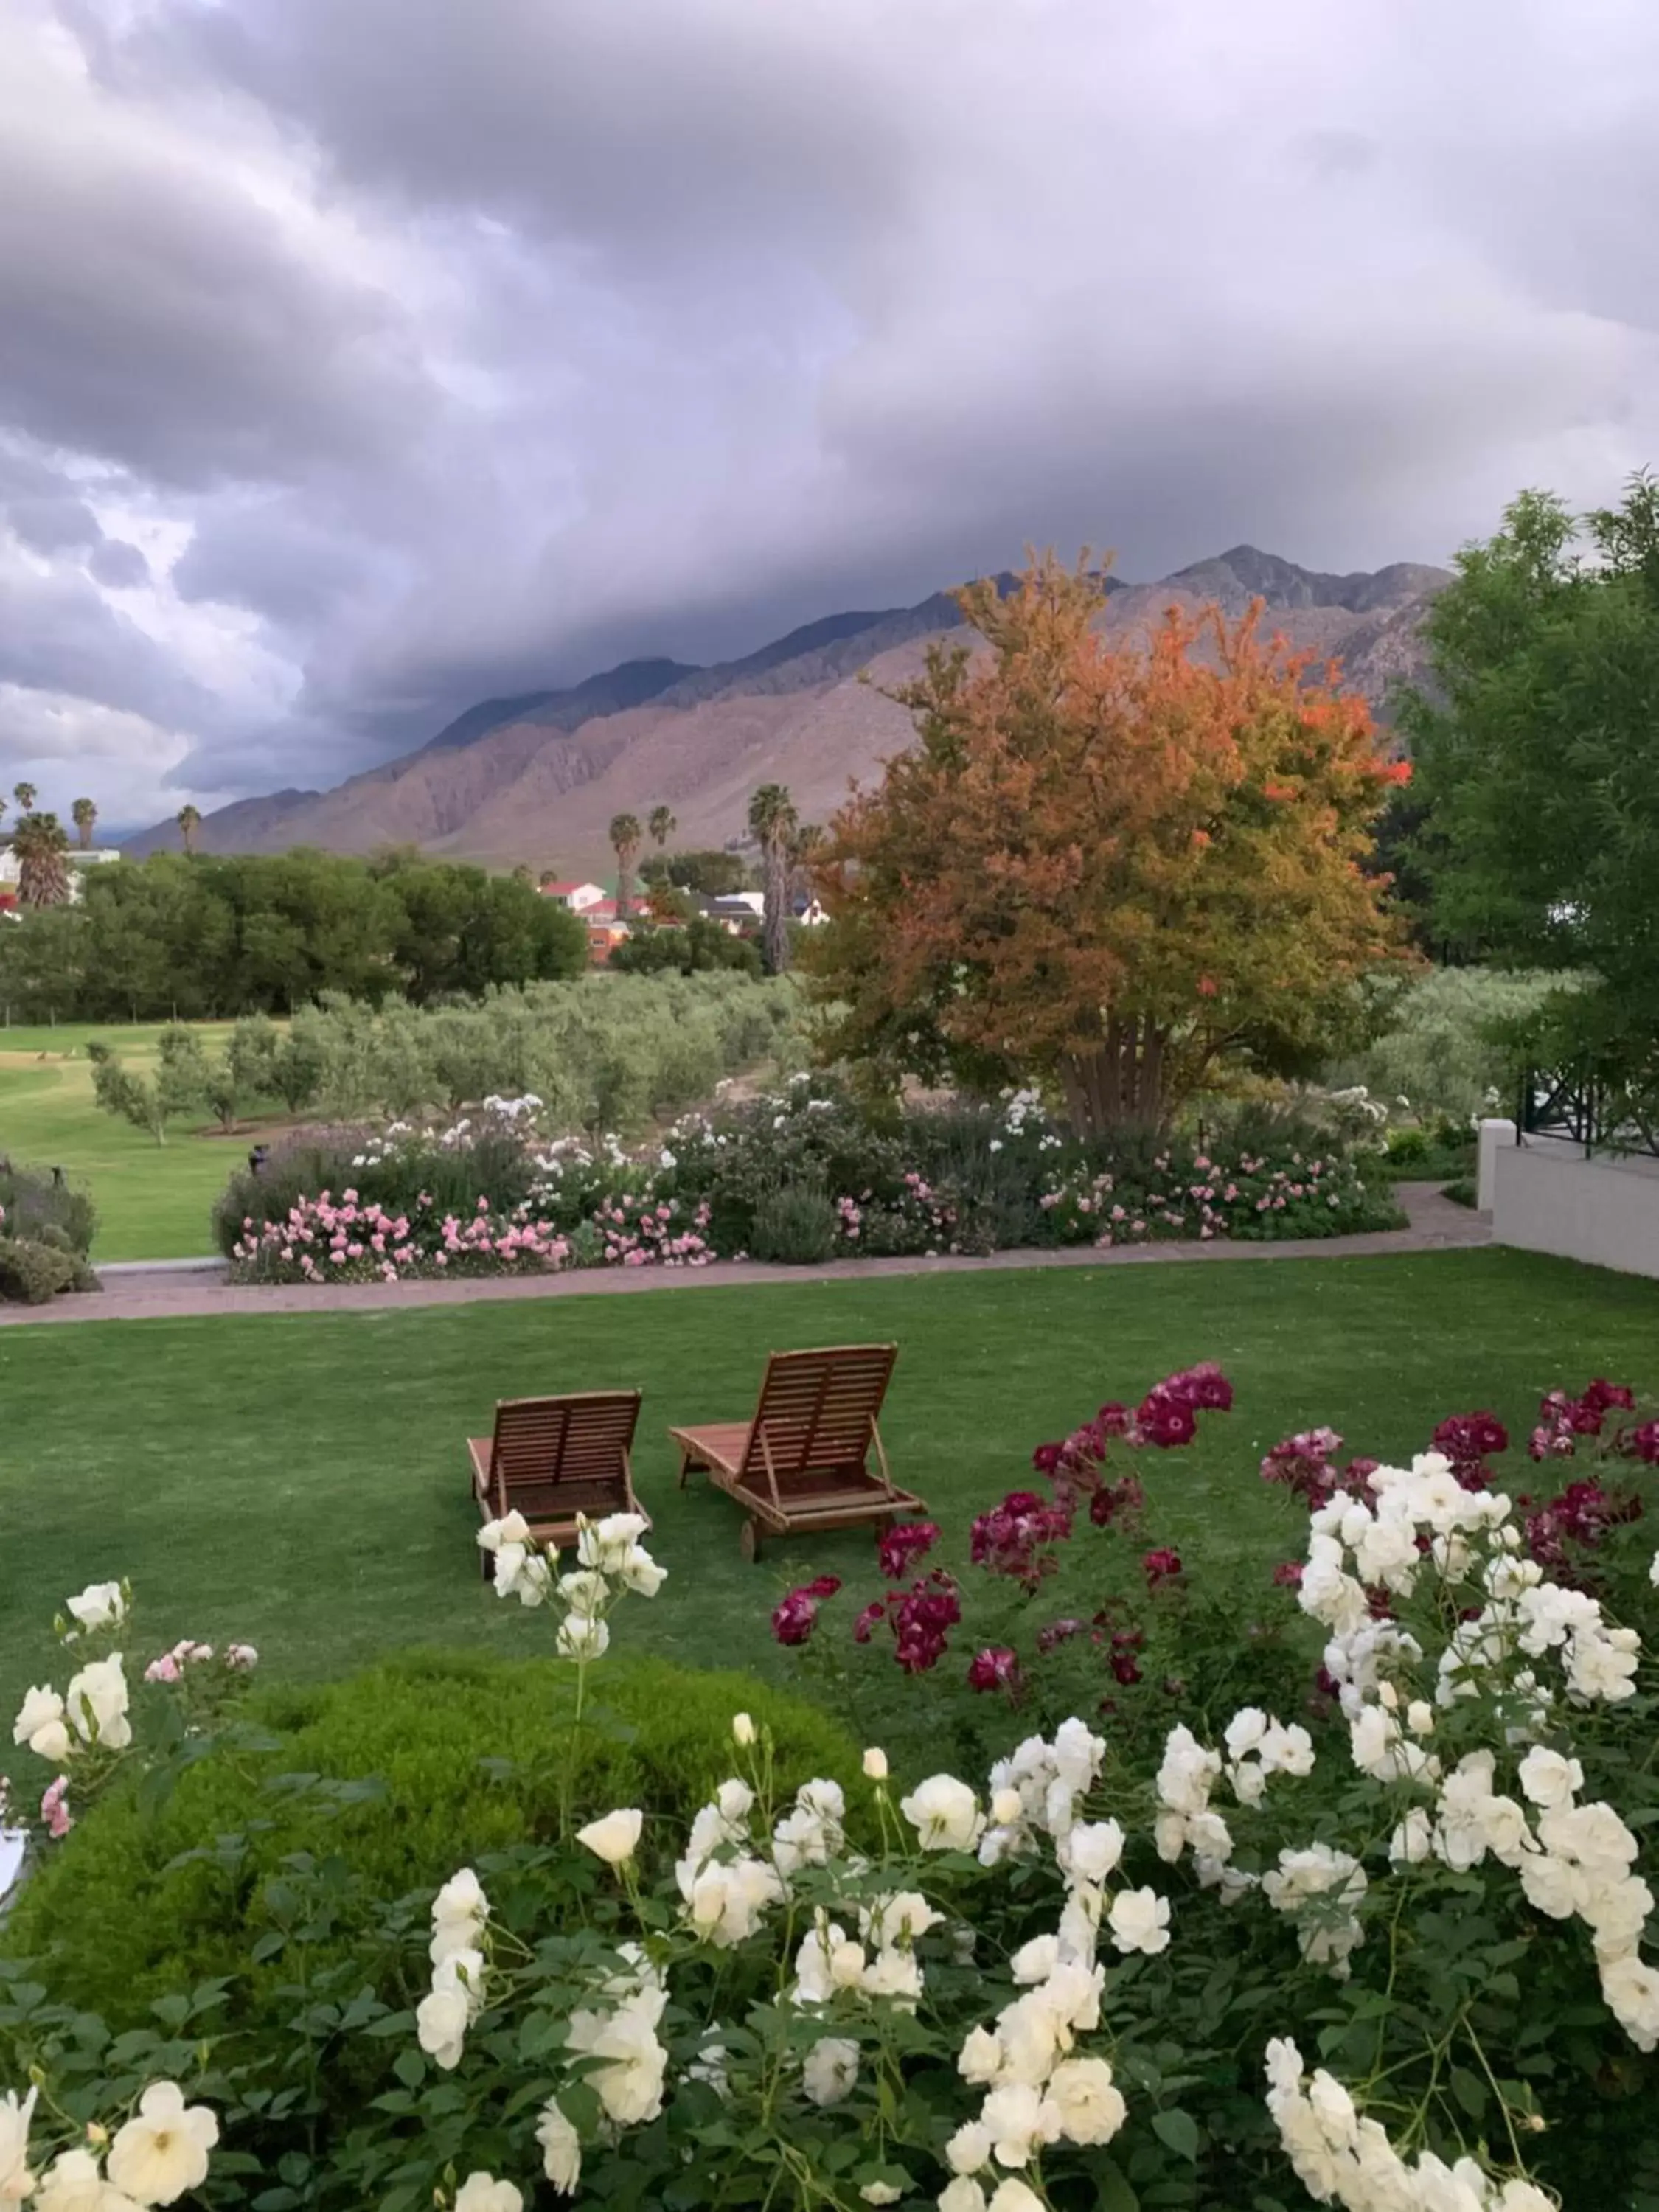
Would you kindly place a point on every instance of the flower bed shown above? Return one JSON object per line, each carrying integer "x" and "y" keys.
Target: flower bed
{"x": 1377, "y": 1935}
{"x": 802, "y": 1176}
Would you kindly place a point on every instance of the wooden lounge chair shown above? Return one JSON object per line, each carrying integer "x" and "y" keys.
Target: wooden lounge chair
{"x": 552, "y": 1458}
{"x": 803, "y": 1461}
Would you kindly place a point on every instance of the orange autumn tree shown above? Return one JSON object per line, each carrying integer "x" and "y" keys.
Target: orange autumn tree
{"x": 1106, "y": 866}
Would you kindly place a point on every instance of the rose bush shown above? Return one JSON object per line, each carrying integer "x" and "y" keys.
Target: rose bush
{"x": 1090, "y": 1977}
{"x": 489, "y": 1193}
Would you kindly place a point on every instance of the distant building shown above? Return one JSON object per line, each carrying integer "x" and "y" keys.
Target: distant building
{"x": 578, "y": 897}
{"x": 809, "y": 913}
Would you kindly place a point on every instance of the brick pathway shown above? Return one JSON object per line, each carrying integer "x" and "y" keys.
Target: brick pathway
{"x": 1437, "y": 1226}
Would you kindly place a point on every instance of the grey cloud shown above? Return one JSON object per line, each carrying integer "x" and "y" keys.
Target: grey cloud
{"x": 58, "y": 635}
{"x": 119, "y": 565}
{"x": 53, "y": 526}
{"x": 663, "y": 326}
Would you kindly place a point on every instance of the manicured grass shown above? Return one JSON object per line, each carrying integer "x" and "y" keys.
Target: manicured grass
{"x": 154, "y": 1200}
{"x": 301, "y": 1479}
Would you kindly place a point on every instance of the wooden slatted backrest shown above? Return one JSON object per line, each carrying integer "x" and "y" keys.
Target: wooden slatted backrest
{"x": 818, "y": 1409}
{"x": 581, "y": 1442}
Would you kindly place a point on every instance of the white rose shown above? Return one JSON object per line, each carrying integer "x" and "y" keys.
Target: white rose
{"x": 893, "y": 1974}
{"x": 875, "y": 1765}
{"x": 603, "y": 1545}
{"x": 1018, "y": 2120}
{"x": 1549, "y": 1779}
{"x": 968, "y": 2150}
{"x": 585, "y": 1591}
{"x": 40, "y": 1724}
{"x": 830, "y": 2069}
{"x": 73, "y": 2184}
{"x": 1419, "y": 1717}
{"x": 162, "y": 2151}
{"x": 481, "y": 2193}
{"x": 101, "y": 1605}
{"x": 944, "y": 1813}
{"x": 96, "y": 1701}
{"x": 16, "y": 2182}
{"x": 1413, "y": 1840}
{"x": 1093, "y": 1850}
{"x": 1551, "y": 1884}
{"x": 561, "y": 2148}
{"x": 880, "y": 2192}
{"x": 1630, "y": 1987}
{"x": 1139, "y": 1921}
{"x": 640, "y": 1573}
{"x": 511, "y": 1528}
{"x": 1008, "y": 1809}
{"x": 441, "y": 2019}
{"x": 615, "y": 1838}
{"x": 582, "y": 1636}
{"x": 1092, "y": 2107}
{"x": 630, "y": 2086}
{"x": 1035, "y": 1961}
{"x": 980, "y": 2058}
{"x": 743, "y": 1730}
{"x": 962, "y": 2195}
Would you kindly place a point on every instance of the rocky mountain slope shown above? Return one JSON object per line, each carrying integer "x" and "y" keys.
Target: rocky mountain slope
{"x": 536, "y": 778}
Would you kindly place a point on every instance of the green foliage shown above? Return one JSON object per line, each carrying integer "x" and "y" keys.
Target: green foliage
{"x": 1539, "y": 762}
{"x": 211, "y": 935}
{"x": 716, "y": 875}
{"x": 1446, "y": 1046}
{"x": 184, "y": 1081}
{"x": 37, "y": 1207}
{"x": 402, "y": 1773}
{"x": 697, "y": 945}
{"x": 796, "y": 1224}
{"x": 606, "y": 1053}
{"x": 33, "y": 1274}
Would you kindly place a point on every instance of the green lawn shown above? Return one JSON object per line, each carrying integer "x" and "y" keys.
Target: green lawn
{"x": 154, "y": 1202}
{"x": 300, "y": 1481}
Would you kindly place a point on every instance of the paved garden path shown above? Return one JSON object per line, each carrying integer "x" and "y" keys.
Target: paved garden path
{"x": 149, "y": 1294}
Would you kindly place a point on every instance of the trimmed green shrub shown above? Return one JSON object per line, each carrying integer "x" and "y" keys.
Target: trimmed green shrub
{"x": 467, "y": 1749}
{"x": 32, "y": 1200}
{"x": 796, "y": 1225}
{"x": 33, "y": 1274}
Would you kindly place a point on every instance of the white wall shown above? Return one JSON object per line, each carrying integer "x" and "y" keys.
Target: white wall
{"x": 1544, "y": 1196}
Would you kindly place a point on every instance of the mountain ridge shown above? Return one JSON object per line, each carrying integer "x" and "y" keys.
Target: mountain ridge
{"x": 535, "y": 776}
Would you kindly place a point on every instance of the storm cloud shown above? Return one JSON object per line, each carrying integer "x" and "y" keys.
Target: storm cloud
{"x": 360, "y": 361}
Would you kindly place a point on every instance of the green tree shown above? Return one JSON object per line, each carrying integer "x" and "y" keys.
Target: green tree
{"x": 710, "y": 873}
{"x": 24, "y": 794}
{"x": 775, "y": 825}
{"x": 189, "y": 823}
{"x": 625, "y": 837}
{"x": 180, "y": 1084}
{"x": 662, "y": 825}
{"x": 84, "y": 814}
{"x": 1537, "y": 765}
{"x": 42, "y": 872}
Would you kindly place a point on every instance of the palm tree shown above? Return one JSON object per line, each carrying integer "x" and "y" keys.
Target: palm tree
{"x": 662, "y": 825}
{"x": 24, "y": 794}
{"x": 625, "y": 835}
{"x": 42, "y": 877}
{"x": 773, "y": 821}
{"x": 189, "y": 823}
{"x": 83, "y": 814}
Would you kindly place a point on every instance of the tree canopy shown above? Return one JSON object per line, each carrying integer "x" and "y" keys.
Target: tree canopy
{"x": 226, "y": 935}
{"x": 1110, "y": 864}
{"x": 1538, "y": 761}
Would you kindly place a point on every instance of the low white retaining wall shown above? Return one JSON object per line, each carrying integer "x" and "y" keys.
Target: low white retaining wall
{"x": 1544, "y": 1196}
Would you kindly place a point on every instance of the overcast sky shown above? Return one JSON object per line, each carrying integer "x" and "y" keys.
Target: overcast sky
{"x": 362, "y": 358}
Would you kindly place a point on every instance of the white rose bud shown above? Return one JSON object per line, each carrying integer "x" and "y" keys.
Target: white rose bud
{"x": 1006, "y": 1808}
{"x": 743, "y": 1730}
{"x": 875, "y": 1765}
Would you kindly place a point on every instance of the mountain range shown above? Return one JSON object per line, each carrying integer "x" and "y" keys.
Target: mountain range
{"x": 538, "y": 777}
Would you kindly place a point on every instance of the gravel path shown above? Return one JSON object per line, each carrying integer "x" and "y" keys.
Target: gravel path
{"x": 167, "y": 1291}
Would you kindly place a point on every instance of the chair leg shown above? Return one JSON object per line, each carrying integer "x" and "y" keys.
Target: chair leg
{"x": 748, "y": 1541}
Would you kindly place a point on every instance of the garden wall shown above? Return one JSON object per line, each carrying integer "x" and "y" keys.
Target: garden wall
{"x": 1544, "y": 1196}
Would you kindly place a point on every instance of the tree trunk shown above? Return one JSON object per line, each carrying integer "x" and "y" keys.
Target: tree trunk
{"x": 1118, "y": 1085}
{"x": 775, "y": 929}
